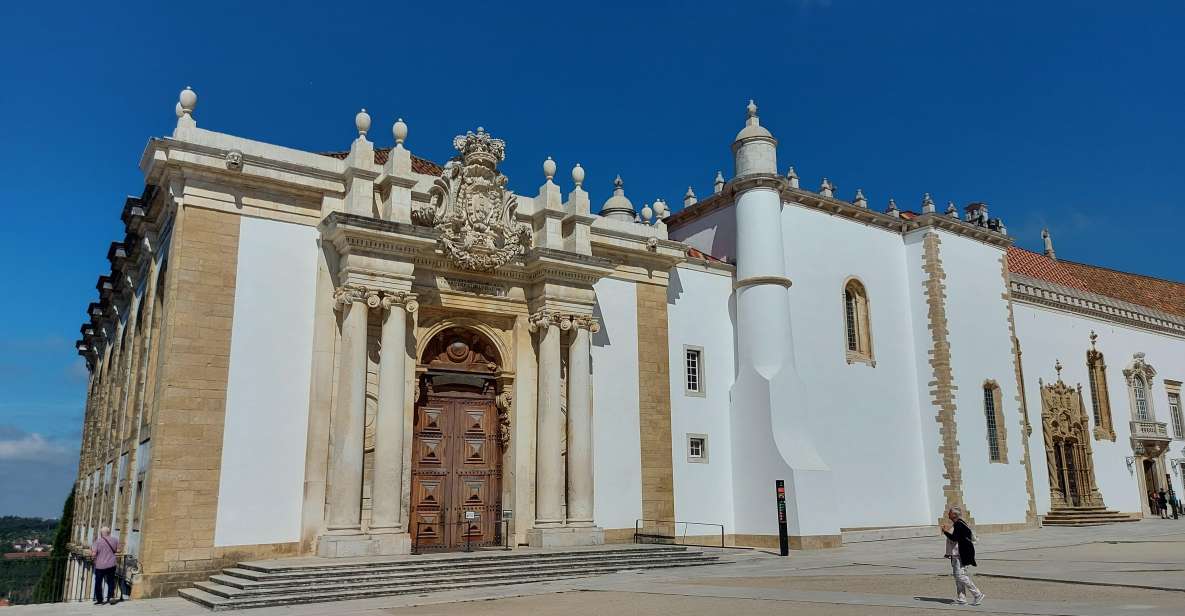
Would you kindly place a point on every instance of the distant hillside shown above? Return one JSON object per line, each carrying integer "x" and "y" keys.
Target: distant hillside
{"x": 13, "y": 528}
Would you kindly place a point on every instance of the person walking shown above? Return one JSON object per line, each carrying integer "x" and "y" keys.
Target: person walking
{"x": 1153, "y": 503}
{"x": 960, "y": 549}
{"x": 1174, "y": 503}
{"x": 1162, "y": 502}
{"x": 104, "y": 550}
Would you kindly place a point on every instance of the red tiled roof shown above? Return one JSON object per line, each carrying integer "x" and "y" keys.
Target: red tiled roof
{"x": 419, "y": 165}
{"x": 1155, "y": 293}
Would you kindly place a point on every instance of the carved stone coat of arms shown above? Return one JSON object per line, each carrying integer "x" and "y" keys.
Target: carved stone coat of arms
{"x": 472, "y": 209}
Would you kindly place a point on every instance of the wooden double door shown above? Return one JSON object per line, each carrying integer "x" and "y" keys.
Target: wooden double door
{"x": 456, "y": 470}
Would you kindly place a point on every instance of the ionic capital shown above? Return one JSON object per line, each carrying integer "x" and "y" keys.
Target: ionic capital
{"x": 542, "y": 320}
{"x": 592, "y": 324}
{"x": 400, "y": 299}
{"x": 346, "y": 295}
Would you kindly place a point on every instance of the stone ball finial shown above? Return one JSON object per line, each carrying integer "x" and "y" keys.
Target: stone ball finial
{"x": 362, "y": 122}
{"x": 660, "y": 208}
{"x": 177, "y": 108}
{"x": 549, "y": 168}
{"x": 578, "y": 175}
{"x": 751, "y": 109}
{"x": 647, "y": 213}
{"x": 399, "y": 130}
{"x": 187, "y": 100}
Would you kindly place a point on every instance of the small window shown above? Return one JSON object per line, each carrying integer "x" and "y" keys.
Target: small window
{"x": 857, "y": 333}
{"x": 697, "y": 448}
{"x": 994, "y": 416}
{"x": 1175, "y": 411}
{"x": 693, "y": 366}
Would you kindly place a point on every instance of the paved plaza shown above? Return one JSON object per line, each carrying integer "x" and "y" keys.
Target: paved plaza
{"x": 1136, "y": 568}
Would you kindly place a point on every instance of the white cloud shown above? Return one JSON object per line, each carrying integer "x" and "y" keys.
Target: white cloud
{"x": 29, "y": 446}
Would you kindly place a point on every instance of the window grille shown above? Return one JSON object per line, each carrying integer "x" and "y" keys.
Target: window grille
{"x": 993, "y": 433}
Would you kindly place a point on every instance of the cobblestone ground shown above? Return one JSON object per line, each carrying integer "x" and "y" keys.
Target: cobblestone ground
{"x": 1136, "y": 568}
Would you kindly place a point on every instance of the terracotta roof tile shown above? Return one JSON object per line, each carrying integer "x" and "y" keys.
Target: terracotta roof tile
{"x": 1155, "y": 293}
{"x": 419, "y": 165}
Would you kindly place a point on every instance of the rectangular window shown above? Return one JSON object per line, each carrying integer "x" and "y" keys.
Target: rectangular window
{"x": 850, "y": 316}
{"x": 693, "y": 366}
{"x": 1175, "y": 411}
{"x": 993, "y": 433}
{"x": 1094, "y": 396}
{"x": 697, "y": 448}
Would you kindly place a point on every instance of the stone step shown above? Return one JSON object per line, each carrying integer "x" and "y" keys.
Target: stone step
{"x": 256, "y": 589}
{"x": 211, "y": 595}
{"x": 253, "y": 571}
{"x": 454, "y": 558}
{"x": 289, "y": 579}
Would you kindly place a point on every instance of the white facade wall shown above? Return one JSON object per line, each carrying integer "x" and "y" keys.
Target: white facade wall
{"x": 260, "y": 490}
{"x": 1048, "y": 335}
{"x": 617, "y": 445}
{"x": 865, "y": 418}
{"x": 714, "y": 234}
{"x": 699, "y": 314}
{"x": 981, "y": 349}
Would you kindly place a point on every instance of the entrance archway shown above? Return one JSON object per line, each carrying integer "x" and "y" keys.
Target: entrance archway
{"x": 1067, "y": 447}
{"x": 457, "y": 443}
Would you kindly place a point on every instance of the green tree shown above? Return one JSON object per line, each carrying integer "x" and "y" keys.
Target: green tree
{"x": 51, "y": 588}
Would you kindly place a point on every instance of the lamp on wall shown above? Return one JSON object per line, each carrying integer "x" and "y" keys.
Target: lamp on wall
{"x": 1176, "y": 463}
{"x": 1131, "y": 461}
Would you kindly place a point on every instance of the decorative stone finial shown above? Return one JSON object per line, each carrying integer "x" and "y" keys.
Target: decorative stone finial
{"x": 1048, "y": 244}
{"x": 860, "y": 199}
{"x": 1093, "y": 338}
{"x": 1057, "y": 365}
{"x": 399, "y": 130}
{"x": 826, "y": 189}
{"x": 927, "y": 204}
{"x": 751, "y": 110}
{"x": 792, "y": 175}
{"x": 951, "y": 210}
{"x": 689, "y": 198}
{"x": 647, "y": 213}
{"x": 362, "y": 122}
{"x": 549, "y": 168}
{"x": 578, "y": 175}
{"x": 187, "y": 101}
{"x": 178, "y": 110}
{"x": 718, "y": 185}
{"x": 660, "y": 209}
{"x": 893, "y": 211}
{"x": 618, "y": 207}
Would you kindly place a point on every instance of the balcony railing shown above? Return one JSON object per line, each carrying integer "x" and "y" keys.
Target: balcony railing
{"x": 1150, "y": 430}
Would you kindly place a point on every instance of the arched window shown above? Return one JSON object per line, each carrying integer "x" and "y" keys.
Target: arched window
{"x": 1140, "y": 392}
{"x": 857, "y": 333}
{"x": 994, "y": 415}
{"x": 1139, "y": 379}
{"x": 1100, "y": 399}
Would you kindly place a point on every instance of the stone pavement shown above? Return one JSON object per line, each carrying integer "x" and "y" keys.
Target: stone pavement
{"x": 1136, "y": 568}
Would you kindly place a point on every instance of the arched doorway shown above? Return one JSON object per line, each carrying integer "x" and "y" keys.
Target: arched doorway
{"x": 1067, "y": 447}
{"x": 457, "y": 442}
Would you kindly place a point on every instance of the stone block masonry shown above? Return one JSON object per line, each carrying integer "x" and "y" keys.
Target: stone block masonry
{"x": 181, "y": 503}
{"x": 654, "y": 397}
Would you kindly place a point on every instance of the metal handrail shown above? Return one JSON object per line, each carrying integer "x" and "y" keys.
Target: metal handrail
{"x": 674, "y": 539}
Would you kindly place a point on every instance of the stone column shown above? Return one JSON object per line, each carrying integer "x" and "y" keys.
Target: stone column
{"x": 549, "y": 465}
{"x": 580, "y": 471}
{"x": 349, "y": 418}
{"x": 389, "y": 419}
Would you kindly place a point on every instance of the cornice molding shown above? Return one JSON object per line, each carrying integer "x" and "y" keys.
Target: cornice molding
{"x": 1028, "y": 290}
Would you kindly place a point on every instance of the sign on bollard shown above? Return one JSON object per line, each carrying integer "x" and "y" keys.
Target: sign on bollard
{"x": 783, "y": 537}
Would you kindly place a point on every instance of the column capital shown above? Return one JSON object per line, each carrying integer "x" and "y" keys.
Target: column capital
{"x": 542, "y": 320}
{"x": 348, "y": 294}
{"x": 591, "y": 323}
{"x": 392, "y": 300}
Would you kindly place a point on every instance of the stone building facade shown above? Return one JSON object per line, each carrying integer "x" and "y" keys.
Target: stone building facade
{"x": 362, "y": 352}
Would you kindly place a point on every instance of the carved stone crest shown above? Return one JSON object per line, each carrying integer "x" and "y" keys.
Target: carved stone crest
{"x": 472, "y": 209}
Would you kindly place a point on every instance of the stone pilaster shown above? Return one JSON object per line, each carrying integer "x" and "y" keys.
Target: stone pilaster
{"x": 549, "y": 463}
{"x": 580, "y": 463}
{"x": 654, "y": 408}
{"x": 387, "y": 504}
{"x": 345, "y": 457}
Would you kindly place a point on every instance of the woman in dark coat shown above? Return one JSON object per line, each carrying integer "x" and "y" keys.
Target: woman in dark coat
{"x": 960, "y": 549}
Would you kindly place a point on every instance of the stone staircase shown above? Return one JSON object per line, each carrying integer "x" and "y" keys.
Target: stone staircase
{"x": 292, "y": 581}
{"x": 1084, "y": 516}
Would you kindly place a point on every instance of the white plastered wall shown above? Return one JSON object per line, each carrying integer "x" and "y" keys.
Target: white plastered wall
{"x": 617, "y": 448}
{"x": 698, "y": 315}
{"x": 981, "y": 349}
{"x": 267, "y": 399}
{"x": 865, "y": 421}
{"x": 714, "y": 234}
{"x": 1048, "y": 335}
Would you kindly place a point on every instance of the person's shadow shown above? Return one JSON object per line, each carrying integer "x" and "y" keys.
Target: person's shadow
{"x": 936, "y": 600}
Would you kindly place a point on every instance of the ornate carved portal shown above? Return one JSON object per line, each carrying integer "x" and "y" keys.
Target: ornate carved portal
{"x": 1067, "y": 447}
{"x": 460, "y": 431}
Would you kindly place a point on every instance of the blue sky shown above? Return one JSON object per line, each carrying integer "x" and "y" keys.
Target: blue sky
{"x": 1064, "y": 115}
